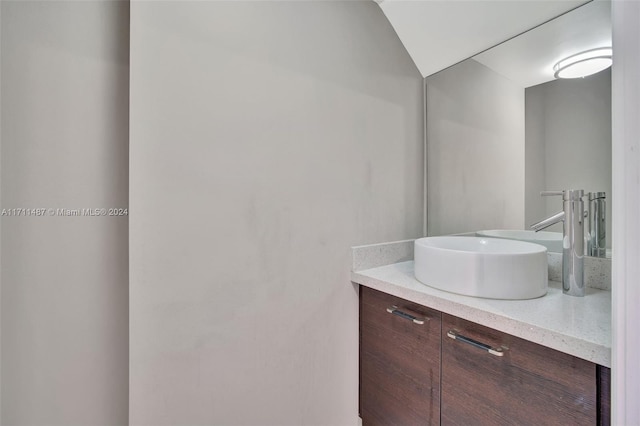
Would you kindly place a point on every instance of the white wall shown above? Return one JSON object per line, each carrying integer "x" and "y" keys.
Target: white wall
{"x": 0, "y": 216}
{"x": 475, "y": 139}
{"x": 266, "y": 139}
{"x": 625, "y": 292}
{"x": 64, "y": 128}
{"x": 569, "y": 122}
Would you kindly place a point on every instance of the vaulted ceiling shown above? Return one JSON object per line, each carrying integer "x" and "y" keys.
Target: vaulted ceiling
{"x": 440, "y": 33}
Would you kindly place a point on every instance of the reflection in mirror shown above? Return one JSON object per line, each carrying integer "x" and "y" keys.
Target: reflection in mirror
{"x": 501, "y": 129}
{"x": 567, "y": 143}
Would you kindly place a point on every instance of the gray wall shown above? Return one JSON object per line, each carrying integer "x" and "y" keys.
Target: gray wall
{"x": 266, "y": 139}
{"x": 568, "y": 133}
{"x": 535, "y": 207}
{"x": 64, "y": 124}
{"x": 475, "y": 139}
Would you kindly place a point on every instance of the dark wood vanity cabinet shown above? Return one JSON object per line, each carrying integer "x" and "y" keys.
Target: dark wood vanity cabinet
{"x": 520, "y": 383}
{"x": 454, "y": 372}
{"x": 399, "y": 361}
{"x": 604, "y": 396}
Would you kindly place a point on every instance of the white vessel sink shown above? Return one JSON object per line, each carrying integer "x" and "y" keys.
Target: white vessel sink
{"x": 551, "y": 240}
{"x": 482, "y": 267}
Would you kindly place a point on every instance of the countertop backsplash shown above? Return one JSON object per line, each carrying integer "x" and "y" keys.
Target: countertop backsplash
{"x": 597, "y": 270}
{"x": 375, "y": 255}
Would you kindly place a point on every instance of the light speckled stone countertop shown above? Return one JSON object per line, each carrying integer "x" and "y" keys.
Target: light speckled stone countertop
{"x": 580, "y": 326}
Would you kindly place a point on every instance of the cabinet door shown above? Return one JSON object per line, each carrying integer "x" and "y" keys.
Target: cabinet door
{"x": 399, "y": 361}
{"x": 529, "y": 385}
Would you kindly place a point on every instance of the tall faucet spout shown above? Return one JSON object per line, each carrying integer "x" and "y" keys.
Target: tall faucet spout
{"x": 572, "y": 218}
{"x": 556, "y": 218}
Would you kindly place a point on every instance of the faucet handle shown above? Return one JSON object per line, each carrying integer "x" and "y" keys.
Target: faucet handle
{"x": 569, "y": 194}
{"x": 547, "y": 193}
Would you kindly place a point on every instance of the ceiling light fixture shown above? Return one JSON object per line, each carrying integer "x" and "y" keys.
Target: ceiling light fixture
{"x": 584, "y": 63}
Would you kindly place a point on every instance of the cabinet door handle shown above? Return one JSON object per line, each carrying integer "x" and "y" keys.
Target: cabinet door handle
{"x": 395, "y": 311}
{"x": 499, "y": 351}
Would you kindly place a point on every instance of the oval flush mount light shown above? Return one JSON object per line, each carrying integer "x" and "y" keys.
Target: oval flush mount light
{"x": 584, "y": 63}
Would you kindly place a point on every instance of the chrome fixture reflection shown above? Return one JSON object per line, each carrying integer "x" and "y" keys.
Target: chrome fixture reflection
{"x": 584, "y": 63}
{"x": 597, "y": 237}
{"x": 572, "y": 218}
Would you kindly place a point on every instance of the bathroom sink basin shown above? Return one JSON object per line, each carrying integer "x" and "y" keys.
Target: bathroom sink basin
{"x": 482, "y": 267}
{"x": 551, "y": 240}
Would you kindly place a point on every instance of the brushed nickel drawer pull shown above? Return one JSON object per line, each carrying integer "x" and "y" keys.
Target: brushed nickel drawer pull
{"x": 499, "y": 351}
{"x": 395, "y": 311}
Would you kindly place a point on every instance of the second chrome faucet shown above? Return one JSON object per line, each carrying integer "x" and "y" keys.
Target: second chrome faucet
{"x": 572, "y": 216}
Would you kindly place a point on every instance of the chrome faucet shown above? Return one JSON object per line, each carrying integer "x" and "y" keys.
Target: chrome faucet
{"x": 597, "y": 237}
{"x": 572, "y": 217}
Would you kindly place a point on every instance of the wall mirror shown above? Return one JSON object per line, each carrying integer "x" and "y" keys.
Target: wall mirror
{"x": 501, "y": 128}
